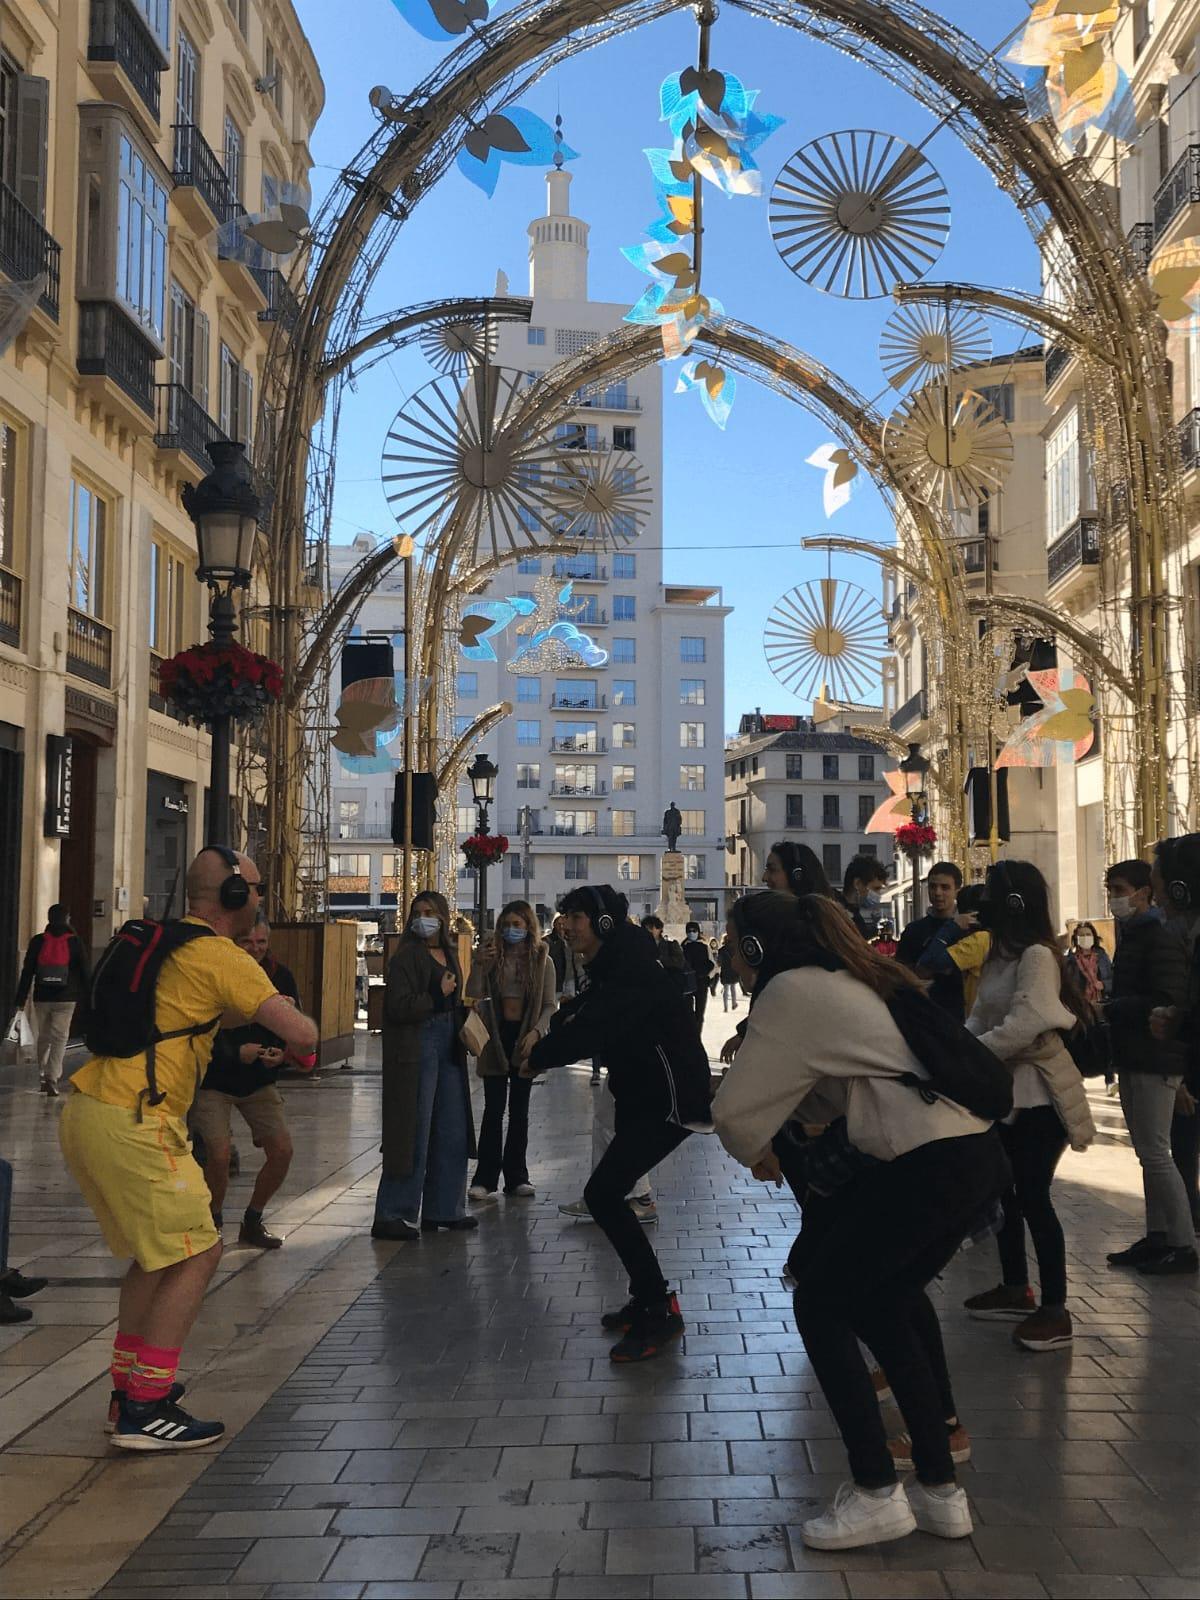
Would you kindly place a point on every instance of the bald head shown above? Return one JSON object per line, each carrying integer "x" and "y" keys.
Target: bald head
{"x": 204, "y": 879}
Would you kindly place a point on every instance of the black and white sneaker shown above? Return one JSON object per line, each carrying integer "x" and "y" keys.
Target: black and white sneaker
{"x": 162, "y": 1425}
{"x": 174, "y": 1395}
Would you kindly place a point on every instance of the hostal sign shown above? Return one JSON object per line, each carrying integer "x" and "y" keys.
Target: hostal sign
{"x": 58, "y": 786}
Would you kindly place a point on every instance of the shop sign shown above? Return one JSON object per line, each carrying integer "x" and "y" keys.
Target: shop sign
{"x": 58, "y": 786}
{"x": 176, "y": 803}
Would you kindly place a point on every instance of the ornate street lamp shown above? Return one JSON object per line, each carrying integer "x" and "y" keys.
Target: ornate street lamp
{"x": 482, "y": 774}
{"x": 915, "y": 768}
{"x": 224, "y": 508}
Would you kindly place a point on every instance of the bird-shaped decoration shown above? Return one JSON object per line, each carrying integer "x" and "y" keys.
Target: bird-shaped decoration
{"x": 840, "y": 469}
{"x": 514, "y": 135}
{"x": 717, "y": 388}
{"x": 896, "y": 810}
{"x": 1062, "y": 732}
{"x": 442, "y": 19}
{"x": 1071, "y": 74}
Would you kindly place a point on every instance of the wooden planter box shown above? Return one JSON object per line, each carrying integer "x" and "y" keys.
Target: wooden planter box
{"x": 323, "y": 956}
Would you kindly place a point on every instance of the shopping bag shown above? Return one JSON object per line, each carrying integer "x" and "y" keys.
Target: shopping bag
{"x": 20, "y": 1044}
{"x": 474, "y": 1034}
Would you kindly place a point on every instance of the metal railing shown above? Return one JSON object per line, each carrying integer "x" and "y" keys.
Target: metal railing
{"x": 183, "y": 424}
{"x": 111, "y": 347}
{"x": 196, "y": 166}
{"x": 282, "y": 305}
{"x": 340, "y": 832}
{"x": 580, "y": 571}
{"x": 89, "y": 648}
{"x": 1141, "y": 243}
{"x": 583, "y": 616}
{"x": 10, "y": 608}
{"x": 579, "y": 747}
{"x": 1180, "y": 187}
{"x": 609, "y": 400}
{"x": 1188, "y": 434}
{"x": 794, "y": 820}
{"x": 1057, "y": 358}
{"x": 973, "y": 554}
{"x": 569, "y": 791}
{"x": 27, "y": 249}
{"x": 573, "y": 703}
{"x": 832, "y": 824}
{"x": 117, "y": 33}
{"x": 915, "y": 709}
{"x": 1078, "y": 547}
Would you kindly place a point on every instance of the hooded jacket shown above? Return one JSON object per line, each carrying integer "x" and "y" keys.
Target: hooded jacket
{"x": 632, "y": 1016}
{"x": 1147, "y": 971}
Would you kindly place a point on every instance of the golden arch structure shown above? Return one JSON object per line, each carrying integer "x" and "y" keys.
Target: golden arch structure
{"x": 918, "y": 51}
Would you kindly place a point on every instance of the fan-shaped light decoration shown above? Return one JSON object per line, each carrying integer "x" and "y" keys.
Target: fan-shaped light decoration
{"x": 454, "y": 344}
{"x": 601, "y": 496}
{"x": 922, "y": 342}
{"x": 855, "y": 212}
{"x": 896, "y": 810}
{"x": 952, "y": 452}
{"x": 826, "y": 635}
{"x": 451, "y": 448}
{"x": 840, "y": 469}
{"x": 1174, "y": 275}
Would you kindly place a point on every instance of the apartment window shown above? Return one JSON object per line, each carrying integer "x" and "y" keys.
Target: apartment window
{"x": 624, "y": 824}
{"x": 691, "y": 691}
{"x": 866, "y": 769}
{"x": 576, "y": 696}
{"x": 831, "y": 811}
{"x": 831, "y": 860}
{"x": 999, "y": 396}
{"x": 574, "y": 823}
{"x": 349, "y": 820}
{"x": 535, "y": 336}
{"x": 624, "y": 736}
{"x": 691, "y": 778}
{"x": 529, "y": 775}
{"x": 521, "y": 866}
{"x": 691, "y": 648}
{"x": 529, "y": 690}
{"x": 1062, "y": 477}
{"x": 237, "y": 10}
{"x": 187, "y": 349}
{"x": 529, "y": 732}
{"x": 89, "y": 538}
{"x": 157, "y": 16}
{"x": 235, "y": 416}
{"x": 467, "y": 685}
{"x": 576, "y": 778}
{"x": 462, "y": 725}
{"x": 235, "y": 163}
{"x": 141, "y": 280}
{"x": 581, "y": 737}
{"x": 577, "y": 436}
{"x": 575, "y": 869}
{"x": 829, "y": 768}
{"x": 693, "y": 821}
{"x": 691, "y": 735}
{"x": 867, "y": 807}
{"x": 624, "y": 692}
{"x": 349, "y": 866}
{"x": 530, "y": 566}
{"x": 624, "y": 777}
{"x": 624, "y": 438}
{"x": 624, "y": 651}
{"x": 1143, "y": 25}
{"x": 794, "y": 816}
{"x": 11, "y": 445}
{"x": 624, "y": 609}
{"x": 629, "y": 869}
{"x": 794, "y": 768}
{"x": 466, "y": 819}
{"x": 187, "y": 78}
{"x": 170, "y": 581}
{"x": 624, "y": 566}
{"x": 273, "y": 73}
{"x": 695, "y": 866}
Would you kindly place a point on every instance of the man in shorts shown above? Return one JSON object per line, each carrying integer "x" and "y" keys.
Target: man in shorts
{"x": 133, "y": 1160}
{"x": 243, "y": 1071}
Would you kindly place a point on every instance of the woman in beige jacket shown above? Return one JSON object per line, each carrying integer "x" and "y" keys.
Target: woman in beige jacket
{"x": 1023, "y": 1005}
{"x": 513, "y": 982}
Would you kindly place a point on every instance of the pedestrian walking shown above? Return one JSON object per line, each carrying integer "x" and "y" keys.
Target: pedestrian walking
{"x": 699, "y": 965}
{"x": 635, "y": 1018}
{"x": 243, "y": 1074}
{"x": 1090, "y": 968}
{"x": 731, "y": 989}
{"x": 428, "y": 1132}
{"x": 912, "y": 1174}
{"x": 1025, "y": 1002}
{"x": 157, "y": 997}
{"x": 57, "y": 973}
{"x": 512, "y": 978}
{"x": 14, "y": 1285}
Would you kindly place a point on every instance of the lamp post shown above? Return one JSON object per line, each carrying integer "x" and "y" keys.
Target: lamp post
{"x": 915, "y": 768}
{"x": 224, "y": 509}
{"x": 482, "y": 774}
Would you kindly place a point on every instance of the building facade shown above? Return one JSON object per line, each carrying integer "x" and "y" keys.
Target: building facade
{"x": 130, "y": 131}
{"x": 596, "y": 754}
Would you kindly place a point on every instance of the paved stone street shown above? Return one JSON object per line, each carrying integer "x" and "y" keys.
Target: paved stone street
{"x": 442, "y": 1419}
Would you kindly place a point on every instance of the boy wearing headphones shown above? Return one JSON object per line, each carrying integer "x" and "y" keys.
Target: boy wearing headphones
{"x": 632, "y": 1016}
{"x": 128, "y": 1148}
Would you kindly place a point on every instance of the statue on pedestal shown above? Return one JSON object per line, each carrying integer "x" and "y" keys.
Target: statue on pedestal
{"x": 672, "y": 826}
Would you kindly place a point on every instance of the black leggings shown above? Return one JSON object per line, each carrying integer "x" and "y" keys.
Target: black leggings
{"x": 862, "y": 1264}
{"x": 636, "y": 1148}
{"x": 1034, "y": 1143}
{"x": 499, "y": 1152}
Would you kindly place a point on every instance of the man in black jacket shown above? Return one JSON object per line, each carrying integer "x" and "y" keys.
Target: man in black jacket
{"x": 942, "y": 884}
{"x": 699, "y": 964}
{"x": 632, "y": 1015}
{"x": 56, "y": 970}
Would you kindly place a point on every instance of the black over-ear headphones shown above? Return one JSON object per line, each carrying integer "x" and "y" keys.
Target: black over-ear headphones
{"x": 752, "y": 950}
{"x": 234, "y": 892}
{"x": 604, "y": 922}
{"x": 1013, "y": 901}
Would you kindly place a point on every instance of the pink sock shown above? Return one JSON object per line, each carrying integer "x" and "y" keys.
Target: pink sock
{"x": 153, "y": 1373}
{"x": 127, "y": 1347}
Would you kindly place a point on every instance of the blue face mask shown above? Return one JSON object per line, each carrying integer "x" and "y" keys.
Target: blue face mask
{"x": 693, "y": 935}
{"x": 424, "y": 927}
{"x": 872, "y": 900}
{"x": 514, "y": 935}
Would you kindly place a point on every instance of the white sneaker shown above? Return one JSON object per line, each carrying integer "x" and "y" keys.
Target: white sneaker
{"x": 526, "y": 1191}
{"x": 946, "y": 1515}
{"x": 577, "y": 1209}
{"x": 644, "y": 1210}
{"x": 858, "y": 1517}
{"x": 477, "y": 1192}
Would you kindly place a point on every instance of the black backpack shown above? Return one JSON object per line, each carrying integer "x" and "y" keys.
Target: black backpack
{"x": 959, "y": 1067}
{"x": 120, "y": 1018}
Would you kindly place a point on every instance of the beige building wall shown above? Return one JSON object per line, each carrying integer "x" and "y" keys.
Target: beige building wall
{"x": 145, "y": 346}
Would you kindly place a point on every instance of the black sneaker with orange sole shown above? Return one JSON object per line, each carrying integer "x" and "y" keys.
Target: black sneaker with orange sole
{"x": 653, "y": 1328}
{"x": 620, "y": 1321}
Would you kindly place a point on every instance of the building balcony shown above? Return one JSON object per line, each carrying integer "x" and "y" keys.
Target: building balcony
{"x": 239, "y": 275}
{"x": 184, "y": 427}
{"x": 1178, "y": 190}
{"x": 282, "y": 305}
{"x": 914, "y": 710}
{"x": 159, "y": 701}
{"x": 973, "y": 555}
{"x": 1140, "y": 239}
{"x": 377, "y": 832}
{"x": 593, "y": 618}
{"x": 609, "y": 400}
{"x": 568, "y": 791}
{"x": 1058, "y": 359}
{"x": 201, "y": 184}
{"x": 580, "y": 572}
{"x": 89, "y": 648}
{"x": 26, "y": 249}
{"x": 1078, "y": 547}
{"x": 126, "y": 60}
{"x": 1188, "y": 434}
{"x": 832, "y": 825}
{"x": 111, "y": 348}
{"x": 570, "y": 702}
{"x": 10, "y": 608}
{"x": 579, "y": 747}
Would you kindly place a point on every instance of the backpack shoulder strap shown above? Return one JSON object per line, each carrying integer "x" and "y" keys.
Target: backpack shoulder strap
{"x": 174, "y": 936}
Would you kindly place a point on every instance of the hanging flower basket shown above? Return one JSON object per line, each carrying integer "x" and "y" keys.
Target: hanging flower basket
{"x": 916, "y": 839}
{"x": 484, "y": 849}
{"x": 224, "y": 680}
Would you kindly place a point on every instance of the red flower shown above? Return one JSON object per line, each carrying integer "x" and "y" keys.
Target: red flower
{"x": 916, "y": 837}
{"x": 210, "y": 681}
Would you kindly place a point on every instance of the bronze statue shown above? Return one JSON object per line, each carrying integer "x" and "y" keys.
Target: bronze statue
{"x": 672, "y": 826}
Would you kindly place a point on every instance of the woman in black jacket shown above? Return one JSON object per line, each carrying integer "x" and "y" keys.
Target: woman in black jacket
{"x": 632, "y": 1015}
{"x": 56, "y": 970}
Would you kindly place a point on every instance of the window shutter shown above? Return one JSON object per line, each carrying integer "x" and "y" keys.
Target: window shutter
{"x": 225, "y": 412}
{"x": 33, "y": 133}
{"x": 200, "y": 360}
{"x": 177, "y": 349}
{"x": 246, "y": 407}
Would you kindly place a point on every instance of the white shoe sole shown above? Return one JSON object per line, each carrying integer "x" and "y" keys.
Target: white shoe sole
{"x": 1038, "y": 1345}
{"x": 900, "y": 1524}
{"x": 943, "y": 1523}
{"x": 482, "y": 1199}
{"x": 139, "y": 1441}
{"x": 575, "y": 1216}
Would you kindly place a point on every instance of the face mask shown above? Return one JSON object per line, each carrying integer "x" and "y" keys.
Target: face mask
{"x": 425, "y": 927}
{"x": 1085, "y": 941}
{"x": 692, "y": 937}
{"x": 514, "y": 935}
{"x": 872, "y": 900}
{"x": 1121, "y": 906}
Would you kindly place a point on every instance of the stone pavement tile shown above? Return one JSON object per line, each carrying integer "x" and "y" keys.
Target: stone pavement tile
{"x": 1169, "y": 1588}
{"x": 691, "y": 1487}
{"x": 388, "y": 1556}
{"x": 603, "y": 1588}
{"x": 1017, "y": 1510}
{"x": 1181, "y": 1549}
{"x": 807, "y": 1424}
{"x": 1062, "y": 1586}
{"x": 523, "y": 1463}
{"x": 994, "y": 1586}
{"x": 1120, "y": 1550}
{"x": 725, "y": 1425}
{"x": 477, "y": 1556}
{"x": 306, "y": 1466}
{"x": 1092, "y": 1425}
{"x": 551, "y": 1553}
{"x": 314, "y": 1591}
{"x": 759, "y": 1547}
{"x": 371, "y": 1522}
{"x": 506, "y": 1589}
{"x": 365, "y": 1496}
{"x": 894, "y": 1586}
{"x": 387, "y": 1466}
{"x": 412, "y": 1590}
{"x": 522, "y": 1519}
{"x": 279, "y": 1560}
{"x": 699, "y": 1459}
{"x": 652, "y": 1427}
{"x": 566, "y": 1490}
{"x": 257, "y": 1525}
{"x": 650, "y": 1550}
{"x": 418, "y": 1432}
{"x": 1022, "y": 1550}
{"x": 798, "y": 1586}
{"x": 649, "y": 1513}
{"x": 347, "y": 1411}
{"x": 627, "y": 1461}
{"x": 503, "y": 1431}
{"x": 700, "y": 1586}
{"x": 580, "y": 1430}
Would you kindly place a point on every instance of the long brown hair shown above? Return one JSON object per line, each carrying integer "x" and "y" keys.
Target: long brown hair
{"x": 526, "y": 952}
{"x": 439, "y": 903}
{"x": 812, "y": 930}
{"x": 1017, "y": 902}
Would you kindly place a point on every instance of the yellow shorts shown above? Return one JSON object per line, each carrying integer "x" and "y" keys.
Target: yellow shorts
{"x": 140, "y": 1179}
{"x": 262, "y": 1111}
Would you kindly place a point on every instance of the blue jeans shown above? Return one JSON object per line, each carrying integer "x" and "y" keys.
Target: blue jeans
{"x": 437, "y": 1185}
{"x": 5, "y": 1213}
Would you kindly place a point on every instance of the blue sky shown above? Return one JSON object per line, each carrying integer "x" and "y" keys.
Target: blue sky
{"x": 724, "y": 492}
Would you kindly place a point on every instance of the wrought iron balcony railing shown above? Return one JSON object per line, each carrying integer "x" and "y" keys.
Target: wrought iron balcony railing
{"x": 1180, "y": 188}
{"x": 575, "y": 791}
{"x": 282, "y": 305}
{"x": 973, "y": 554}
{"x": 111, "y": 347}
{"x": 117, "y": 33}
{"x": 578, "y": 702}
{"x": 10, "y": 608}
{"x": 1057, "y": 357}
{"x": 196, "y": 167}
{"x": 1078, "y": 547}
{"x": 183, "y": 424}
{"x": 27, "y": 249}
{"x": 1141, "y": 243}
{"x": 579, "y": 747}
{"x": 89, "y": 648}
{"x": 1188, "y": 434}
{"x": 915, "y": 709}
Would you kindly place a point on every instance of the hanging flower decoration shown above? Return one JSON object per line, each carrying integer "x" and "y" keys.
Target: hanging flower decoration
{"x": 1071, "y": 75}
{"x": 484, "y": 849}
{"x": 916, "y": 839}
{"x": 225, "y": 680}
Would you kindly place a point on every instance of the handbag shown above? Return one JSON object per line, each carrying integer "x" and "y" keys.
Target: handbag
{"x": 474, "y": 1034}
{"x": 1089, "y": 1044}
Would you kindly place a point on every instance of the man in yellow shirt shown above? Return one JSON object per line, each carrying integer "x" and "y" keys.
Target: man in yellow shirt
{"x": 130, "y": 1154}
